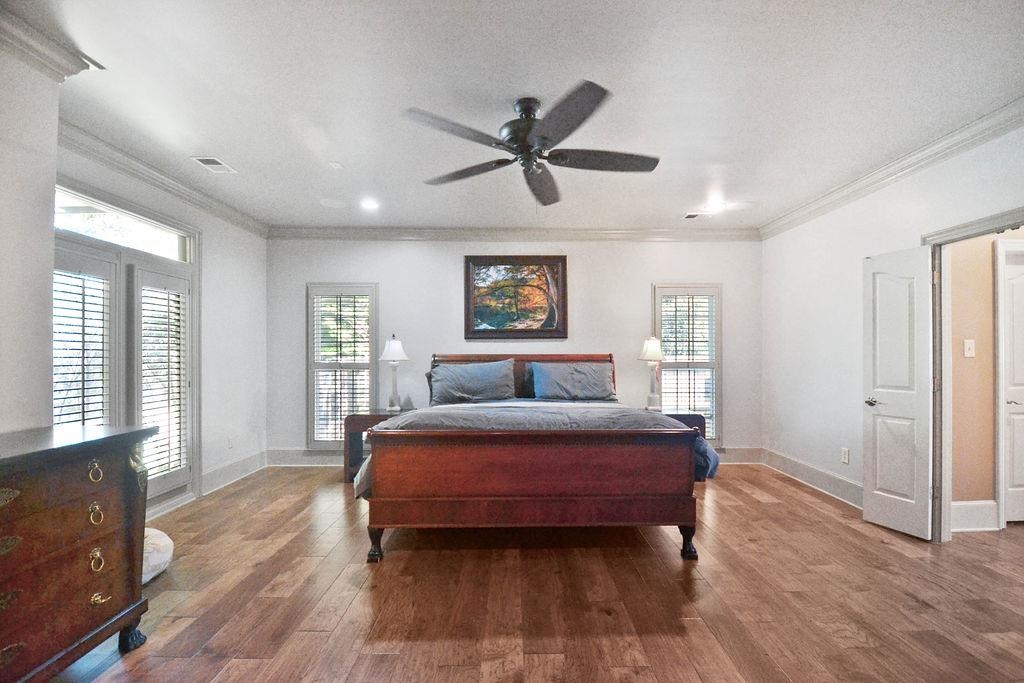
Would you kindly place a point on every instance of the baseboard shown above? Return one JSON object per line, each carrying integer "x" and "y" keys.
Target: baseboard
{"x": 222, "y": 476}
{"x": 301, "y": 457}
{"x": 827, "y": 482}
{"x": 741, "y": 456}
{"x": 162, "y": 507}
{"x": 975, "y": 515}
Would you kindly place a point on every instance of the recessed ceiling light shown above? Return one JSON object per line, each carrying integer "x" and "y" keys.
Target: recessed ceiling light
{"x": 369, "y": 204}
{"x": 336, "y": 165}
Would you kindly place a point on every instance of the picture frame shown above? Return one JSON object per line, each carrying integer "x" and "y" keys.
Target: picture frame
{"x": 516, "y": 297}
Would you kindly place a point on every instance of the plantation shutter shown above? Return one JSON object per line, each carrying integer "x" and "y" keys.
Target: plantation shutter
{"x": 81, "y": 348}
{"x": 161, "y": 367}
{"x": 341, "y": 359}
{"x": 688, "y": 324}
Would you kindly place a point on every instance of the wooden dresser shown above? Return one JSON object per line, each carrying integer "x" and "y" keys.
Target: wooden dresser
{"x": 72, "y": 513}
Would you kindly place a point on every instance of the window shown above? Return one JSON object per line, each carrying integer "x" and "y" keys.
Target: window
{"x": 342, "y": 359}
{"x": 77, "y": 213}
{"x": 688, "y": 321}
{"x": 122, "y": 348}
{"x": 81, "y": 348}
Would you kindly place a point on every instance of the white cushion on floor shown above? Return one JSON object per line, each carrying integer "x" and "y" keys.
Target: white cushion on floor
{"x": 157, "y": 549}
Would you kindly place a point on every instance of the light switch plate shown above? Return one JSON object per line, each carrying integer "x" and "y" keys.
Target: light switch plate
{"x": 968, "y": 348}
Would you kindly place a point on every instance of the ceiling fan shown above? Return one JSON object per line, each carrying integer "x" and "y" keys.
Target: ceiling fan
{"x": 530, "y": 140}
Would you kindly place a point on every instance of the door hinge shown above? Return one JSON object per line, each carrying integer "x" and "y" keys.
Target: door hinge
{"x": 936, "y": 385}
{"x": 931, "y": 492}
{"x": 935, "y": 278}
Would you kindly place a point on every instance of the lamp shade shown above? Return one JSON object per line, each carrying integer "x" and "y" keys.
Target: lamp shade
{"x": 393, "y": 350}
{"x": 652, "y": 350}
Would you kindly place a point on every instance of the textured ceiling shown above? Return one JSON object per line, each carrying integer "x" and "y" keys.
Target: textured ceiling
{"x": 770, "y": 104}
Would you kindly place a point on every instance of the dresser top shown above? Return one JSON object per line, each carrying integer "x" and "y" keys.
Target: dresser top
{"x": 16, "y": 445}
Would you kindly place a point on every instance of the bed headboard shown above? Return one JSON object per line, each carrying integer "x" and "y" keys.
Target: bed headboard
{"x": 524, "y": 388}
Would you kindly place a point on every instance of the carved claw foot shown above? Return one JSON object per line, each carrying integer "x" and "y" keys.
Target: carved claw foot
{"x": 689, "y": 551}
{"x": 130, "y": 637}
{"x": 376, "y": 554}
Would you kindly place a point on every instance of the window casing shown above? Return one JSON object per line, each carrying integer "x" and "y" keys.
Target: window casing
{"x": 342, "y": 359}
{"x": 147, "y": 348}
{"x": 688, "y": 320}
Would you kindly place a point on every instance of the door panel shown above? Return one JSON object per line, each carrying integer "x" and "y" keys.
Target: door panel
{"x": 897, "y": 391}
{"x": 1010, "y": 300}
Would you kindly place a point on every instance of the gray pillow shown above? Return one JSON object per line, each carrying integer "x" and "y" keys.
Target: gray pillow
{"x": 467, "y": 382}
{"x": 573, "y": 381}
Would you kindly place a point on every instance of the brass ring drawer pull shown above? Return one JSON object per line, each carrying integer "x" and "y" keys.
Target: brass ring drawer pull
{"x": 95, "y": 472}
{"x": 98, "y": 599}
{"x": 96, "y": 560}
{"x": 95, "y": 514}
{"x": 7, "y": 495}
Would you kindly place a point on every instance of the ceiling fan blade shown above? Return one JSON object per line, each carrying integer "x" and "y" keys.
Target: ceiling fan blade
{"x": 425, "y": 118}
{"x": 469, "y": 171}
{"x": 567, "y": 115}
{"x": 599, "y": 160}
{"x": 542, "y": 185}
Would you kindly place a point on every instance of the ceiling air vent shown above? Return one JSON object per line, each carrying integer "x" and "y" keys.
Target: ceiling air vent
{"x": 693, "y": 215}
{"x": 214, "y": 165}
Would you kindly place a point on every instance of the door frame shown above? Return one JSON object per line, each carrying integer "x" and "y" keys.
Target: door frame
{"x": 942, "y": 404}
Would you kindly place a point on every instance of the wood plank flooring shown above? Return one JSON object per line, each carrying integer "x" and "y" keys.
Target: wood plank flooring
{"x": 269, "y": 583}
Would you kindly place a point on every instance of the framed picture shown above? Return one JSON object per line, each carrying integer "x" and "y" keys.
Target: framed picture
{"x": 516, "y": 297}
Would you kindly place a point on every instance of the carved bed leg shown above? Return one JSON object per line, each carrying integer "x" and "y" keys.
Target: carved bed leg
{"x": 689, "y": 551}
{"x": 375, "y": 554}
{"x": 130, "y": 637}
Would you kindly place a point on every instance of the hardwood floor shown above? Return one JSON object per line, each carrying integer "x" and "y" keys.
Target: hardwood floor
{"x": 269, "y": 583}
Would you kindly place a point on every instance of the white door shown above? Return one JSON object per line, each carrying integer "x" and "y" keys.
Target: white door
{"x": 898, "y": 391}
{"x": 1010, "y": 302}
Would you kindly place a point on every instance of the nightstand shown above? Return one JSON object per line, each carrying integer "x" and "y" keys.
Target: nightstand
{"x": 355, "y": 425}
{"x": 690, "y": 420}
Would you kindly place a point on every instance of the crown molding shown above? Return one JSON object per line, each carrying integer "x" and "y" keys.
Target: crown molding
{"x": 438, "y": 234}
{"x": 1007, "y": 220}
{"x": 986, "y": 128}
{"x": 79, "y": 141}
{"x": 40, "y": 52}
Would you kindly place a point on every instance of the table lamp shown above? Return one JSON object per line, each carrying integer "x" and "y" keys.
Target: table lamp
{"x": 652, "y": 354}
{"x": 394, "y": 354}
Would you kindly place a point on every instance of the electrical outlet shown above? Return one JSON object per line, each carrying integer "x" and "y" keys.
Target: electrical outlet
{"x": 969, "y": 348}
{"x": 844, "y": 456}
{"x": 231, "y": 443}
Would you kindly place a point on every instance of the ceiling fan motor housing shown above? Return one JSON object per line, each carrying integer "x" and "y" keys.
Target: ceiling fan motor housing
{"x": 515, "y": 133}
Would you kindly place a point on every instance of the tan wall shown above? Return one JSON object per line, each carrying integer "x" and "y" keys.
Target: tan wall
{"x": 974, "y": 379}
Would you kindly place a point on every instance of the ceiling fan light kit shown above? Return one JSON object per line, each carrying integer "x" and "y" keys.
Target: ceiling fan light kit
{"x": 530, "y": 140}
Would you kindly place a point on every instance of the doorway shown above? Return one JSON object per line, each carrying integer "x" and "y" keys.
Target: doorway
{"x": 978, "y": 444}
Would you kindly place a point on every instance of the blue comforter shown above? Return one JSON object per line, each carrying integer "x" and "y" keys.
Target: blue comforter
{"x": 535, "y": 414}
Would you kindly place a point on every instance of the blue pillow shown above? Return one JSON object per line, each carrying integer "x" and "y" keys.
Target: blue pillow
{"x": 573, "y": 381}
{"x": 468, "y": 382}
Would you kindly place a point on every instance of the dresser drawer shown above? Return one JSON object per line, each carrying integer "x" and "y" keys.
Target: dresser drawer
{"x": 27, "y": 541}
{"x": 28, "y": 598}
{"x": 26, "y": 492}
{"x": 84, "y": 608}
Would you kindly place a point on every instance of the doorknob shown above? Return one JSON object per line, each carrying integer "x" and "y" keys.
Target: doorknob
{"x": 1013, "y": 403}
{"x": 872, "y": 401}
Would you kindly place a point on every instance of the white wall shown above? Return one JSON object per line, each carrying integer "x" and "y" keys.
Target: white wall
{"x": 28, "y": 152}
{"x": 813, "y": 348}
{"x": 421, "y": 291}
{"x": 233, "y": 315}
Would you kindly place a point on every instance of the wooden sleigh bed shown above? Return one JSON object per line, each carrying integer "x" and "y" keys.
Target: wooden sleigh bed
{"x": 532, "y": 478}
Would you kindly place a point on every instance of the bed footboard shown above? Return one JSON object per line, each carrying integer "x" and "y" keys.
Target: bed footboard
{"x": 430, "y": 479}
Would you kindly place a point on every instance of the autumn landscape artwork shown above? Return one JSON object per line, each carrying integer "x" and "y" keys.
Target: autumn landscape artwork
{"x": 515, "y": 297}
